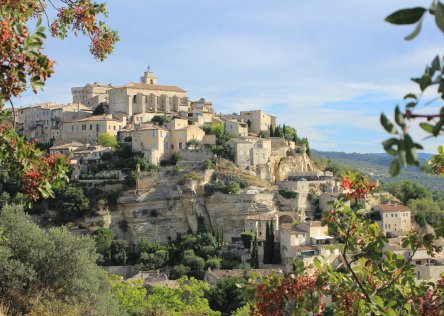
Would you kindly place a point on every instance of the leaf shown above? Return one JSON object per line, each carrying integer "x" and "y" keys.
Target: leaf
{"x": 410, "y": 105}
{"x": 395, "y": 168}
{"x": 388, "y": 126}
{"x": 390, "y": 312}
{"x": 406, "y": 16}
{"x": 436, "y": 64}
{"x": 439, "y": 16}
{"x": 425, "y": 81}
{"x": 440, "y": 149}
{"x": 378, "y": 301}
{"x": 415, "y": 32}
{"x": 427, "y": 127}
{"x": 410, "y": 96}
{"x": 399, "y": 117}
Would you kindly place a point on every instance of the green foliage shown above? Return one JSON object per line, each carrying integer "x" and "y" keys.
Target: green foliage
{"x": 288, "y": 194}
{"x": 435, "y": 165}
{"x": 213, "y": 263}
{"x": 179, "y": 271}
{"x": 50, "y": 263}
{"x": 408, "y": 190}
{"x": 194, "y": 144}
{"x": 209, "y": 164}
{"x": 254, "y": 260}
{"x": 160, "y": 119}
{"x": 426, "y": 209}
{"x": 175, "y": 158}
{"x": 119, "y": 251}
{"x": 99, "y": 110}
{"x": 188, "y": 299}
{"x": 401, "y": 145}
{"x": 228, "y": 184}
{"x": 247, "y": 237}
{"x": 103, "y": 238}
{"x": 130, "y": 295}
{"x": 107, "y": 140}
{"x": 226, "y": 297}
{"x": 71, "y": 203}
{"x": 269, "y": 248}
{"x": 223, "y": 151}
{"x": 214, "y": 128}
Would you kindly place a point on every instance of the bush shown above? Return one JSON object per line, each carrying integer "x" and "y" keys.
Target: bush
{"x": 247, "y": 237}
{"x": 213, "y": 263}
{"x": 288, "y": 194}
{"x": 175, "y": 158}
{"x": 179, "y": 271}
{"x": 209, "y": 164}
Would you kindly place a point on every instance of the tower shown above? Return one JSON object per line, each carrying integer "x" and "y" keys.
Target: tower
{"x": 148, "y": 77}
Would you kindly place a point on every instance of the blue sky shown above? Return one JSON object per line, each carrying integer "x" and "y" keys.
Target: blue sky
{"x": 328, "y": 68}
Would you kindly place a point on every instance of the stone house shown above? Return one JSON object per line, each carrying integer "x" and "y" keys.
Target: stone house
{"x": 43, "y": 121}
{"x": 88, "y": 129}
{"x": 250, "y": 151}
{"x": 202, "y": 106}
{"x": 66, "y": 148}
{"x": 236, "y": 128}
{"x": 260, "y": 121}
{"x": 159, "y": 143}
{"x": 257, "y": 223}
{"x": 394, "y": 218}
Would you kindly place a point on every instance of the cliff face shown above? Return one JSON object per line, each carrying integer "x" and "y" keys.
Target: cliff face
{"x": 168, "y": 203}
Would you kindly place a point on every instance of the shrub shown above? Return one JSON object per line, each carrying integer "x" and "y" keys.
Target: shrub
{"x": 209, "y": 164}
{"x": 175, "y": 158}
{"x": 213, "y": 263}
{"x": 288, "y": 194}
{"x": 247, "y": 237}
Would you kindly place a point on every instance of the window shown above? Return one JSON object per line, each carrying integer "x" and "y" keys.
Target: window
{"x": 153, "y": 133}
{"x": 114, "y": 127}
{"x": 84, "y": 127}
{"x": 180, "y": 145}
{"x": 134, "y": 99}
{"x": 392, "y": 214}
{"x": 97, "y": 128}
{"x": 172, "y": 146}
{"x": 90, "y": 127}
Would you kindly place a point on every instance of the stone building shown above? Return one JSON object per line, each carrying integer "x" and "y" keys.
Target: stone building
{"x": 257, "y": 223}
{"x": 250, "y": 151}
{"x": 92, "y": 94}
{"x": 43, "y": 121}
{"x": 260, "y": 121}
{"x": 394, "y": 218}
{"x": 87, "y": 130}
{"x": 147, "y": 97}
{"x": 236, "y": 128}
{"x": 158, "y": 143}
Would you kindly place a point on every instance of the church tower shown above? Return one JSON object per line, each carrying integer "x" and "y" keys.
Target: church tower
{"x": 148, "y": 77}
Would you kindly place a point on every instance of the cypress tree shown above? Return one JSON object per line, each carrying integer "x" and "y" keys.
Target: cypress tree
{"x": 249, "y": 124}
{"x": 222, "y": 237}
{"x": 217, "y": 238}
{"x": 254, "y": 261}
{"x": 277, "y": 133}
{"x": 267, "y": 246}
{"x": 271, "y": 131}
{"x": 283, "y": 130}
{"x": 272, "y": 258}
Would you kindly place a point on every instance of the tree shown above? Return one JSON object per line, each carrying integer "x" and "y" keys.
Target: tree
{"x": 268, "y": 255}
{"x": 227, "y": 296}
{"x": 107, "y": 140}
{"x": 160, "y": 119}
{"x": 99, "y": 110}
{"x": 247, "y": 237}
{"x": 271, "y": 131}
{"x": 187, "y": 299}
{"x": 131, "y": 295}
{"x": 71, "y": 203}
{"x": 408, "y": 190}
{"x": 119, "y": 251}
{"x": 277, "y": 132}
{"x": 36, "y": 264}
{"x": 274, "y": 259}
{"x": 23, "y": 64}
{"x": 249, "y": 124}
{"x": 401, "y": 145}
{"x": 254, "y": 260}
{"x": 103, "y": 238}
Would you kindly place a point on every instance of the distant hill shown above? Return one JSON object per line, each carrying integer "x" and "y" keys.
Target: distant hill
{"x": 376, "y": 165}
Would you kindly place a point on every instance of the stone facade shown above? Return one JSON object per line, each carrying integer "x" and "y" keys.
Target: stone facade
{"x": 260, "y": 121}
{"x": 394, "y": 218}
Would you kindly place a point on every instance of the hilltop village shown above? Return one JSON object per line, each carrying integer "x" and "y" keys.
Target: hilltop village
{"x": 156, "y": 166}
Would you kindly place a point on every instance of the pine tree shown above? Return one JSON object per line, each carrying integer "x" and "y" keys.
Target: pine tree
{"x": 254, "y": 261}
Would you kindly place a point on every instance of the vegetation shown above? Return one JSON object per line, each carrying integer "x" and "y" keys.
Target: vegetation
{"x": 401, "y": 145}
{"x": 226, "y": 297}
{"x": 55, "y": 266}
{"x": 288, "y": 194}
{"x": 254, "y": 260}
{"x": 228, "y": 184}
{"x": 107, "y": 140}
{"x": 71, "y": 204}
{"x": 187, "y": 299}
{"x": 99, "y": 110}
{"x": 247, "y": 237}
{"x": 160, "y": 119}
{"x": 269, "y": 248}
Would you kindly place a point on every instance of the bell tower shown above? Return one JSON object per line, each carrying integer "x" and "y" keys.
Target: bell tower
{"x": 148, "y": 77}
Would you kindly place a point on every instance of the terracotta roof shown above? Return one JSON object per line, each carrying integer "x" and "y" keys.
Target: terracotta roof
{"x": 391, "y": 208}
{"x": 156, "y": 87}
{"x": 67, "y": 145}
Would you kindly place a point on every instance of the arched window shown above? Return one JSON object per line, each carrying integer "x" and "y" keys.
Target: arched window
{"x": 135, "y": 99}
